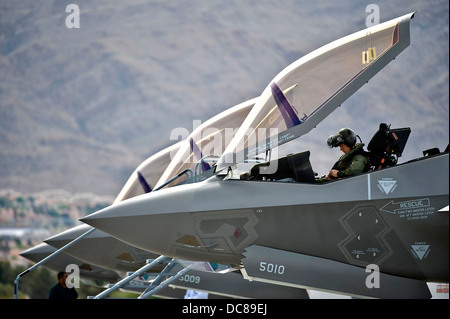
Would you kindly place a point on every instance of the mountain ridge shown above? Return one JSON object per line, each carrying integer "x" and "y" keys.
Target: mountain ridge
{"x": 81, "y": 108}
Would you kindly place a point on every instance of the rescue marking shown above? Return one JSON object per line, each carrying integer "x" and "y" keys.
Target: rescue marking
{"x": 417, "y": 209}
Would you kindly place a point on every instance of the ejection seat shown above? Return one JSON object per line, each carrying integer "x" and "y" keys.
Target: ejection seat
{"x": 386, "y": 146}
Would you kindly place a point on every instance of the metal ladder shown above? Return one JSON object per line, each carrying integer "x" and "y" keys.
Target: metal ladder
{"x": 162, "y": 280}
{"x": 165, "y": 277}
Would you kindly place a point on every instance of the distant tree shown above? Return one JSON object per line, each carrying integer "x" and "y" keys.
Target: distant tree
{"x": 6, "y": 272}
{"x": 36, "y": 284}
{"x": 6, "y": 202}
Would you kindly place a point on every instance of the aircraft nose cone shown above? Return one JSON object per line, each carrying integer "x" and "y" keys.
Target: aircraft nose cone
{"x": 38, "y": 252}
{"x": 61, "y": 239}
{"x": 147, "y": 221}
{"x": 190, "y": 222}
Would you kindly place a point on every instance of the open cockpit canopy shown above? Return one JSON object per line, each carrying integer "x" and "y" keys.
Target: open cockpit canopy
{"x": 309, "y": 89}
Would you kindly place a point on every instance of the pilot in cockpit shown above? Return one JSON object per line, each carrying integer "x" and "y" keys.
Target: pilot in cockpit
{"x": 355, "y": 159}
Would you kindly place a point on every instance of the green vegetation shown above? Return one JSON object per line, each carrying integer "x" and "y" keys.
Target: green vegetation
{"x": 34, "y": 285}
{"x": 37, "y": 284}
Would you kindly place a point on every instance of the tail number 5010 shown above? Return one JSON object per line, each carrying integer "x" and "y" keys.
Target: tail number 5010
{"x": 271, "y": 268}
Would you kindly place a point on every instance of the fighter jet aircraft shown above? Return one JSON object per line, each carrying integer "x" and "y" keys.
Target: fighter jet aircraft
{"x": 218, "y": 286}
{"x": 101, "y": 251}
{"x": 303, "y": 233}
{"x": 60, "y": 262}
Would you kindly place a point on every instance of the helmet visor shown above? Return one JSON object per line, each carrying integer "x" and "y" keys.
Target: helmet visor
{"x": 335, "y": 140}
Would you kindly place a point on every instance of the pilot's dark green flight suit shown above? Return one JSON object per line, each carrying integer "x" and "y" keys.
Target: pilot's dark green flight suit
{"x": 353, "y": 163}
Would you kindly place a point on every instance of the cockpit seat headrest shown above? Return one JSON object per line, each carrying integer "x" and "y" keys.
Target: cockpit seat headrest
{"x": 387, "y": 145}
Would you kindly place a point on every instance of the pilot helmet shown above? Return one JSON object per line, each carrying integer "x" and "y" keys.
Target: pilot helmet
{"x": 344, "y": 136}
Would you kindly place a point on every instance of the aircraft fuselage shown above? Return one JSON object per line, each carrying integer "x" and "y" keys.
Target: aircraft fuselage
{"x": 388, "y": 217}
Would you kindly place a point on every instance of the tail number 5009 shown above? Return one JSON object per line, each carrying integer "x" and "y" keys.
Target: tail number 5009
{"x": 271, "y": 268}
{"x": 190, "y": 279}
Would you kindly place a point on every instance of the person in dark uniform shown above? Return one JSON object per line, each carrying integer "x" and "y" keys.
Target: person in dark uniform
{"x": 353, "y": 162}
{"x": 60, "y": 290}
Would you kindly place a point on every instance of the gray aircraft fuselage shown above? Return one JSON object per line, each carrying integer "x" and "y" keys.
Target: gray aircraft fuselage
{"x": 388, "y": 217}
